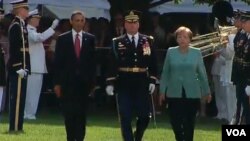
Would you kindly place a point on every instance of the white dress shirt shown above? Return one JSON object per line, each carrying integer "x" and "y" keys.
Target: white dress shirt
{"x": 136, "y": 36}
{"x": 79, "y": 36}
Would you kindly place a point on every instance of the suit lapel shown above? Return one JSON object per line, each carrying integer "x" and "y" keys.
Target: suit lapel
{"x": 84, "y": 43}
{"x": 71, "y": 39}
{"x": 72, "y": 42}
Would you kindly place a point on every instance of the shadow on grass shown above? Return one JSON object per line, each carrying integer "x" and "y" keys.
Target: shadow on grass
{"x": 108, "y": 118}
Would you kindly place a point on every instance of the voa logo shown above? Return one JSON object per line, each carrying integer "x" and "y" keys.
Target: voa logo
{"x": 236, "y": 132}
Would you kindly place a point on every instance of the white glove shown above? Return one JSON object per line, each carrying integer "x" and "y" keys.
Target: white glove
{"x": 22, "y": 73}
{"x": 247, "y": 89}
{"x": 110, "y": 90}
{"x": 151, "y": 88}
{"x": 54, "y": 24}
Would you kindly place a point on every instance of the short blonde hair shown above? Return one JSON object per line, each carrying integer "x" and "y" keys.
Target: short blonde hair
{"x": 184, "y": 29}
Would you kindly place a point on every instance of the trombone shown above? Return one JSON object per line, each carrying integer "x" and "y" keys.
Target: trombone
{"x": 213, "y": 42}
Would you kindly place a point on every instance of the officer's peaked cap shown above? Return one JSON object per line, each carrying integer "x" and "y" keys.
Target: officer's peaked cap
{"x": 34, "y": 14}
{"x": 132, "y": 16}
{"x": 19, "y": 3}
{"x": 245, "y": 16}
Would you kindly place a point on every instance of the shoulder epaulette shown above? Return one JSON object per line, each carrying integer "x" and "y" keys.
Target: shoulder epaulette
{"x": 13, "y": 23}
{"x": 151, "y": 37}
{"x": 117, "y": 38}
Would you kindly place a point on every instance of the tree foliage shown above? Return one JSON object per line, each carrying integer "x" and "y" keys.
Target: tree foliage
{"x": 213, "y": 1}
{"x": 144, "y": 5}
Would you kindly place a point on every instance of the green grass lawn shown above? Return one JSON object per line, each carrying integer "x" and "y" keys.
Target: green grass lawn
{"x": 103, "y": 126}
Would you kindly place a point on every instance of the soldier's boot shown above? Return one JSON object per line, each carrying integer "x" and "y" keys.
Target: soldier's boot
{"x": 138, "y": 136}
{"x": 141, "y": 125}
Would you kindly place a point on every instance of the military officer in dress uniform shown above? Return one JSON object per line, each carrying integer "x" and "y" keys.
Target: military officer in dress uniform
{"x": 18, "y": 65}
{"x": 237, "y": 76}
{"x": 244, "y": 62}
{"x": 37, "y": 62}
{"x": 132, "y": 71}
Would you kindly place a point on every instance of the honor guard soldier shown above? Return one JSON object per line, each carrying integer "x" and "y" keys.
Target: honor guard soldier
{"x": 237, "y": 69}
{"x": 18, "y": 65}
{"x": 243, "y": 85}
{"x": 132, "y": 71}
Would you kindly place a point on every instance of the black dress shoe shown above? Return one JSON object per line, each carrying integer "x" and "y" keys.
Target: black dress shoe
{"x": 16, "y": 132}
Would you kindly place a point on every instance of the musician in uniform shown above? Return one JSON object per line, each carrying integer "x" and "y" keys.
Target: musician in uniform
{"x": 217, "y": 68}
{"x": 243, "y": 56}
{"x": 227, "y": 85}
{"x": 132, "y": 71}
{"x": 18, "y": 65}
{"x": 237, "y": 76}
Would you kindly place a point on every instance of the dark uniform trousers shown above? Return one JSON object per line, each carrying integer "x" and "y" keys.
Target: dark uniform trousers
{"x": 243, "y": 99}
{"x": 13, "y": 86}
{"x": 244, "y": 80}
{"x": 182, "y": 112}
{"x": 131, "y": 69}
{"x": 133, "y": 96}
{"x": 18, "y": 40}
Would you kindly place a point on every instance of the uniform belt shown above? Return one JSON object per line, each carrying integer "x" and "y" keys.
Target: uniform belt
{"x": 24, "y": 49}
{"x": 237, "y": 59}
{"x": 246, "y": 64}
{"x": 134, "y": 69}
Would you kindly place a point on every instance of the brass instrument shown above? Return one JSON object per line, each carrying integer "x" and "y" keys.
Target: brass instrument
{"x": 213, "y": 42}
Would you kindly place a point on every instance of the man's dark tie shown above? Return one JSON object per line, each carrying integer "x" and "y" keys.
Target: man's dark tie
{"x": 133, "y": 42}
{"x": 77, "y": 46}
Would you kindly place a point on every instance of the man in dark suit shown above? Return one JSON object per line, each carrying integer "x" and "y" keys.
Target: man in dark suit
{"x": 18, "y": 64}
{"x": 132, "y": 70}
{"x": 74, "y": 75}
